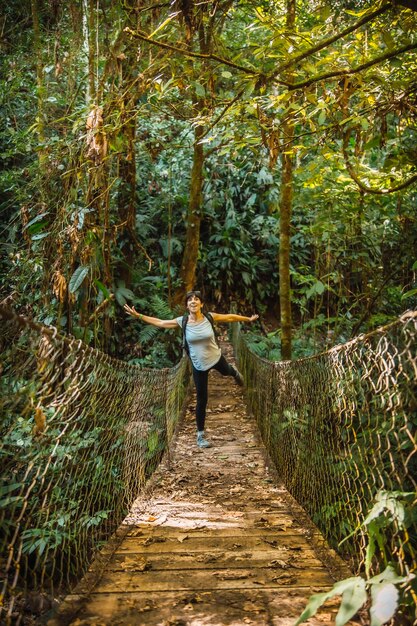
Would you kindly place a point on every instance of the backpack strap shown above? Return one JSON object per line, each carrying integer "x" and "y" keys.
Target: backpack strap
{"x": 185, "y": 345}
{"x": 211, "y": 320}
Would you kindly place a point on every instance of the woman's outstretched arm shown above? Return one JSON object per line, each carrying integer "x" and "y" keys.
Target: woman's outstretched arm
{"x": 155, "y": 321}
{"x": 232, "y": 317}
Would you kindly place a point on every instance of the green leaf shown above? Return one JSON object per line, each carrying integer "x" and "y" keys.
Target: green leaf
{"x": 375, "y": 512}
{"x": 318, "y": 599}
{"x": 316, "y": 288}
{"x": 246, "y": 278}
{"x": 152, "y": 441}
{"x": 102, "y": 288}
{"x": 8, "y": 488}
{"x": 352, "y": 600}
{"x": 6, "y": 502}
{"x": 388, "y": 39}
{"x": 164, "y": 23}
{"x": 322, "y": 117}
{"x": 389, "y": 575}
{"x": 122, "y": 294}
{"x": 199, "y": 89}
{"x": 312, "y": 607}
{"x": 370, "y": 551}
{"x": 37, "y": 218}
{"x": 78, "y": 277}
{"x": 39, "y": 236}
{"x": 409, "y": 294}
{"x": 384, "y": 603}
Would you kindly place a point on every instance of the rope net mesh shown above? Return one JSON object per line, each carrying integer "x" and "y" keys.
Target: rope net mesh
{"x": 341, "y": 429}
{"x": 80, "y": 434}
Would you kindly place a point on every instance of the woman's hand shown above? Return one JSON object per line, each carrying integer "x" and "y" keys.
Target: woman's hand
{"x": 253, "y": 318}
{"x": 131, "y": 311}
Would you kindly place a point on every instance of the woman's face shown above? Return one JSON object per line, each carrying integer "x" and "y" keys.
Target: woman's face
{"x": 194, "y": 304}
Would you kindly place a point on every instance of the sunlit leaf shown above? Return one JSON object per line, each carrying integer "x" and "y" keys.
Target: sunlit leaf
{"x": 384, "y": 603}
{"x": 352, "y": 600}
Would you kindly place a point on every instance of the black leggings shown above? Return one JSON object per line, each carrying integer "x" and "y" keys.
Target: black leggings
{"x": 201, "y": 386}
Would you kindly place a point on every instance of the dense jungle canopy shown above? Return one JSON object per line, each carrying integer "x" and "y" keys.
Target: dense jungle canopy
{"x": 265, "y": 151}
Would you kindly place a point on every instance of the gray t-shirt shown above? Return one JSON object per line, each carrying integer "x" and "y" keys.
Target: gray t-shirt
{"x": 204, "y": 351}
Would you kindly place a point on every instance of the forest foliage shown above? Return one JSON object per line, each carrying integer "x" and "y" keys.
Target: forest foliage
{"x": 147, "y": 148}
{"x": 264, "y": 151}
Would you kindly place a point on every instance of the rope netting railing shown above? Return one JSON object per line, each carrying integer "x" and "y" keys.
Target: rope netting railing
{"x": 80, "y": 434}
{"x": 341, "y": 429}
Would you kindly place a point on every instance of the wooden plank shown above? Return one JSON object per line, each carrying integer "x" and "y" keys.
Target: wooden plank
{"x": 237, "y": 607}
{"x": 281, "y": 560}
{"x": 180, "y": 580}
{"x": 252, "y": 520}
{"x": 186, "y": 543}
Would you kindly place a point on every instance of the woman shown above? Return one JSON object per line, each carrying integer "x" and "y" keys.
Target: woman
{"x": 202, "y": 348}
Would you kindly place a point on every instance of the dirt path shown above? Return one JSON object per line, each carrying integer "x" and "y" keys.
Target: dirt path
{"x": 217, "y": 541}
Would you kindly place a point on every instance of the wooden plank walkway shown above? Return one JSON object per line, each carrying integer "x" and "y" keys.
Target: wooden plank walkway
{"x": 216, "y": 541}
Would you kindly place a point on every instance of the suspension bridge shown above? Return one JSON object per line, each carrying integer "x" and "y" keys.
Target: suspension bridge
{"x": 99, "y": 526}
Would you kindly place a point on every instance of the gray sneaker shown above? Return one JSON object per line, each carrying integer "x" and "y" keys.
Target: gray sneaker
{"x": 202, "y": 441}
{"x": 239, "y": 379}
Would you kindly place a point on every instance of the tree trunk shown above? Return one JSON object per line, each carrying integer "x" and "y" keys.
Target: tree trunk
{"x": 190, "y": 256}
{"x": 40, "y": 118}
{"x": 88, "y": 46}
{"x": 287, "y": 160}
{"x": 204, "y": 20}
{"x": 284, "y": 245}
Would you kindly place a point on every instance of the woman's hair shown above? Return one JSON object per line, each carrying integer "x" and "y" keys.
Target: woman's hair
{"x": 194, "y": 292}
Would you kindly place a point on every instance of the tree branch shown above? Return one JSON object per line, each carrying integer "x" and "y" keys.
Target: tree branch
{"x": 362, "y": 185}
{"x": 223, "y": 112}
{"x": 327, "y": 42}
{"x": 195, "y": 55}
{"x": 353, "y": 70}
{"x": 100, "y": 308}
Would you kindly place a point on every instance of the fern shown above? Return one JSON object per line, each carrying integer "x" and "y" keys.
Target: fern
{"x": 161, "y": 308}
{"x": 147, "y": 334}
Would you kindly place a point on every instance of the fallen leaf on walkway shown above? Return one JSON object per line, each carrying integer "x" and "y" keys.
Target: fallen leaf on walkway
{"x": 242, "y": 557}
{"x": 151, "y": 540}
{"x": 280, "y": 529}
{"x": 135, "y": 565}
{"x": 279, "y": 563}
{"x": 283, "y": 578}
